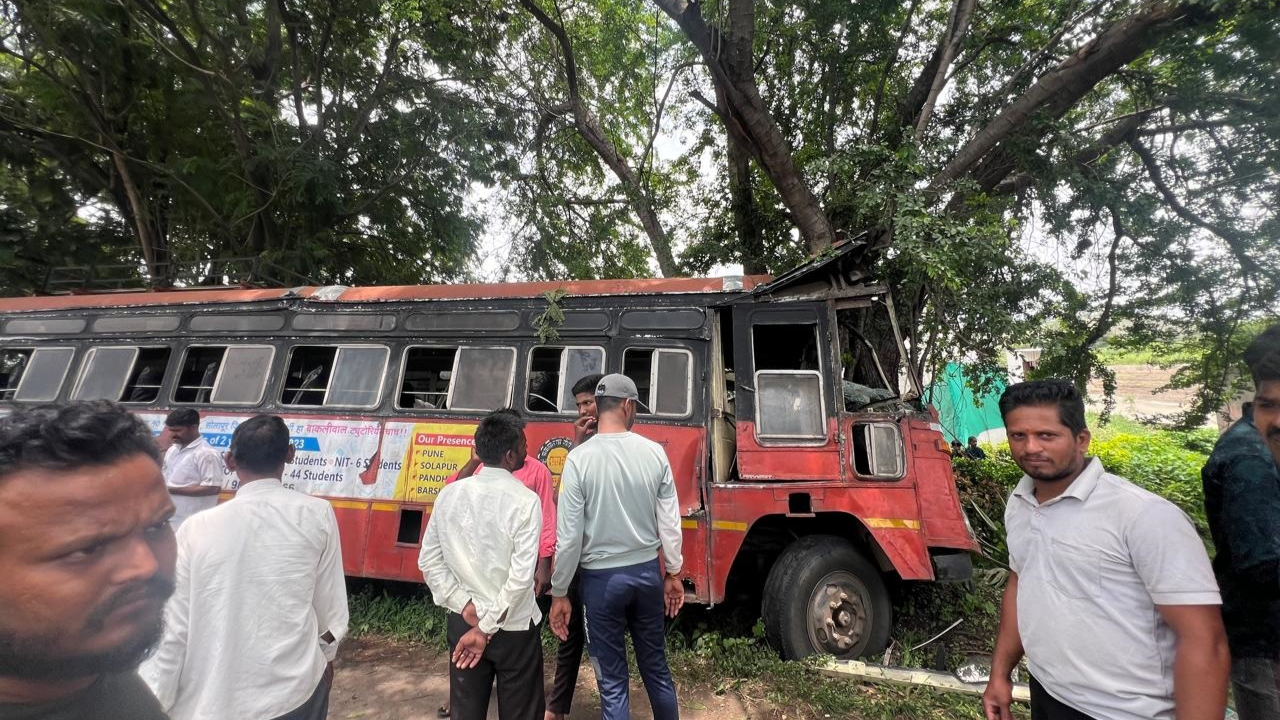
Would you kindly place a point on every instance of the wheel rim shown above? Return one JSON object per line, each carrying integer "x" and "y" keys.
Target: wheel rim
{"x": 839, "y": 615}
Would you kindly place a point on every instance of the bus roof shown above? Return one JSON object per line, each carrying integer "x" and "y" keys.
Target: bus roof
{"x": 384, "y": 293}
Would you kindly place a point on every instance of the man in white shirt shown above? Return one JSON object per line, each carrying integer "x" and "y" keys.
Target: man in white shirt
{"x": 261, "y": 602}
{"x": 618, "y": 507}
{"x": 192, "y": 468}
{"x": 1110, "y": 592}
{"x": 478, "y": 557}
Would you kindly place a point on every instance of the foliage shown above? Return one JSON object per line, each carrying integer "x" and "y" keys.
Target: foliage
{"x": 548, "y": 321}
{"x": 1137, "y": 204}
{"x": 329, "y": 137}
{"x": 1128, "y": 209}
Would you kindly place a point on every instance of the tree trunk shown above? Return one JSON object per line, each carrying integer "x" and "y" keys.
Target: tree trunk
{"x": 742, "y": 202}
{"x": 751, "y": 117}
{"x": 135, "y": 209}
{"x": 739, "y": 60}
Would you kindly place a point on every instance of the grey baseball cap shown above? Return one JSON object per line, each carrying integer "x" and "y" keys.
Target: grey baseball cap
{"x": 619, "y": 386}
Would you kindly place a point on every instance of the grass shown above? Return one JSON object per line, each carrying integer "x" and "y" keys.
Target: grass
{"x": 722, "y": 650}
{"x": 1127, "y": 356}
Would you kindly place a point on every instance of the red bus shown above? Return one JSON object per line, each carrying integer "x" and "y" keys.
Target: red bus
{"x": 802, "y": 471}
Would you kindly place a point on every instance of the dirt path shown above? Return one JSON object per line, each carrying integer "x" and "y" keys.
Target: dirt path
{"x": 380, "y": 679}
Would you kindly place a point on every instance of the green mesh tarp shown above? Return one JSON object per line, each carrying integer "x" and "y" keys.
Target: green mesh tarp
{"x": 961, "y": 413}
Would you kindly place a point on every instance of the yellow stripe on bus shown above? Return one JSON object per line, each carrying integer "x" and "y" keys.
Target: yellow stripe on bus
{"x": 689, "y": 524}
{"x": 729, "y": 525}
{"x": 349, "y": 504}
{"x": 892, "y": 523}
{"x": 385, "y": 506}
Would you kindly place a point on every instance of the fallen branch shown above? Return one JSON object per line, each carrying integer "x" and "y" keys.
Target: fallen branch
{"x": 946, "y": 682}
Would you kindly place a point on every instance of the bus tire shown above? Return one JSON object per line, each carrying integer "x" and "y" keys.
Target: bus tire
{"x": 824, "y": 597}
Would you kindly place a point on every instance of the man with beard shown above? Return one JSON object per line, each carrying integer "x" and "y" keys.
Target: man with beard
{"x": 86, "y": 557}
{"x": 261, "y": 602}
{"x": 1110, "y": 591}
{"x": 1242, "y": 502}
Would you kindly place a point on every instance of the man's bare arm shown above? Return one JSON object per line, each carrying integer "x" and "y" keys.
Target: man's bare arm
{"x": 1201, "y": 663}
{"x": 999, "y": 692}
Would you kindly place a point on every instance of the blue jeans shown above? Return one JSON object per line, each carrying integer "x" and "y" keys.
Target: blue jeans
{"x": 616, "y": 601}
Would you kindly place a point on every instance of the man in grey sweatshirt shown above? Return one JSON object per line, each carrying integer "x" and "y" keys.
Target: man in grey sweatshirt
{"x": 617, "y": 507}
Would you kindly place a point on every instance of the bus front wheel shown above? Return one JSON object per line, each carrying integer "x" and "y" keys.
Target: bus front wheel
{"x": 824, "y": 597}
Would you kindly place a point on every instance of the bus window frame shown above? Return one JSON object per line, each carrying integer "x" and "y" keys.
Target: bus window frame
{"x": 382, "y": 379}
{"x": 91, "y": 352}
{"x": 657, "y": 350}
{"x": 457, "y": 358}
{"x": 35, "y": 349}
{"x": 773, "y": 439}
{"x": 561, "y": 385}
{"x": 222, "y": 364}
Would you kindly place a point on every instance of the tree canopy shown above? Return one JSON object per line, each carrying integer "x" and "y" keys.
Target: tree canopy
{"x": 1049, "y": 171}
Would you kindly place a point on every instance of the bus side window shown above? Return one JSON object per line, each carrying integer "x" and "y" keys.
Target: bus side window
{"x": 663, "y": 378}
{"x": 553, "y": 372}
{"x": 339, "y": 376}
{"x": 13, "y": 363}
{"x": 33, "y": 374}
{"x": 789, "y": 395}
{"x": 457, "y": 378}
{"x": 148, "y": 372}
{"x": 483, "y": 378}
{"x": 123, "y": 374}
{"x": 224, "y": 374}
{"x": 428, "y": 371}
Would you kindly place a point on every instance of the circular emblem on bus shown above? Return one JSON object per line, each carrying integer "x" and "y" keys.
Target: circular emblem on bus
{"x": 552, "y": 454}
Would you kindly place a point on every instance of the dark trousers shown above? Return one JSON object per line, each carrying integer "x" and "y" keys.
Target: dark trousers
{"x": 1047, "y": 707}
{"x": 618, "y": 601}
{"x": 317, "y": 706}
{"x": 568, "y": 656}
{"x": 1256, "y": 685}
{"x": 514, "y": 659}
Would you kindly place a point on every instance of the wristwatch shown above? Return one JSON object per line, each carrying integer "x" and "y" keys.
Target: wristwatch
{"x": 673, "y": 575}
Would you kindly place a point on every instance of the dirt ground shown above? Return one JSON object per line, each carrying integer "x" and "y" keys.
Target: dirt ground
{"x": 381, "y": 679}
{"x": 1136, "y": 395}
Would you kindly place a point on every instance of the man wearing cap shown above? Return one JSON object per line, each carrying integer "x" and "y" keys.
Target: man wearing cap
{"x": 617, "y": 507}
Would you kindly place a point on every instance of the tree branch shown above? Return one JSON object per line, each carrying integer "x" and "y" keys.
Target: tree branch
{"x": 952, "y": 39}
{"x": 746, "y": 110}
{"x": 1058, "y": 90}
{"x": 590, "y": 129}
{"x": 366, "y": 107}
{"x": 1234, "y": 241}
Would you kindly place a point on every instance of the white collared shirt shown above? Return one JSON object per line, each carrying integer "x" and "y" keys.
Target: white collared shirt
{"x": 481, "y": 546}
{"x": 259, "y": 580}
{"x": 193, "y": 464}
{"x": 1092, "y": 565}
